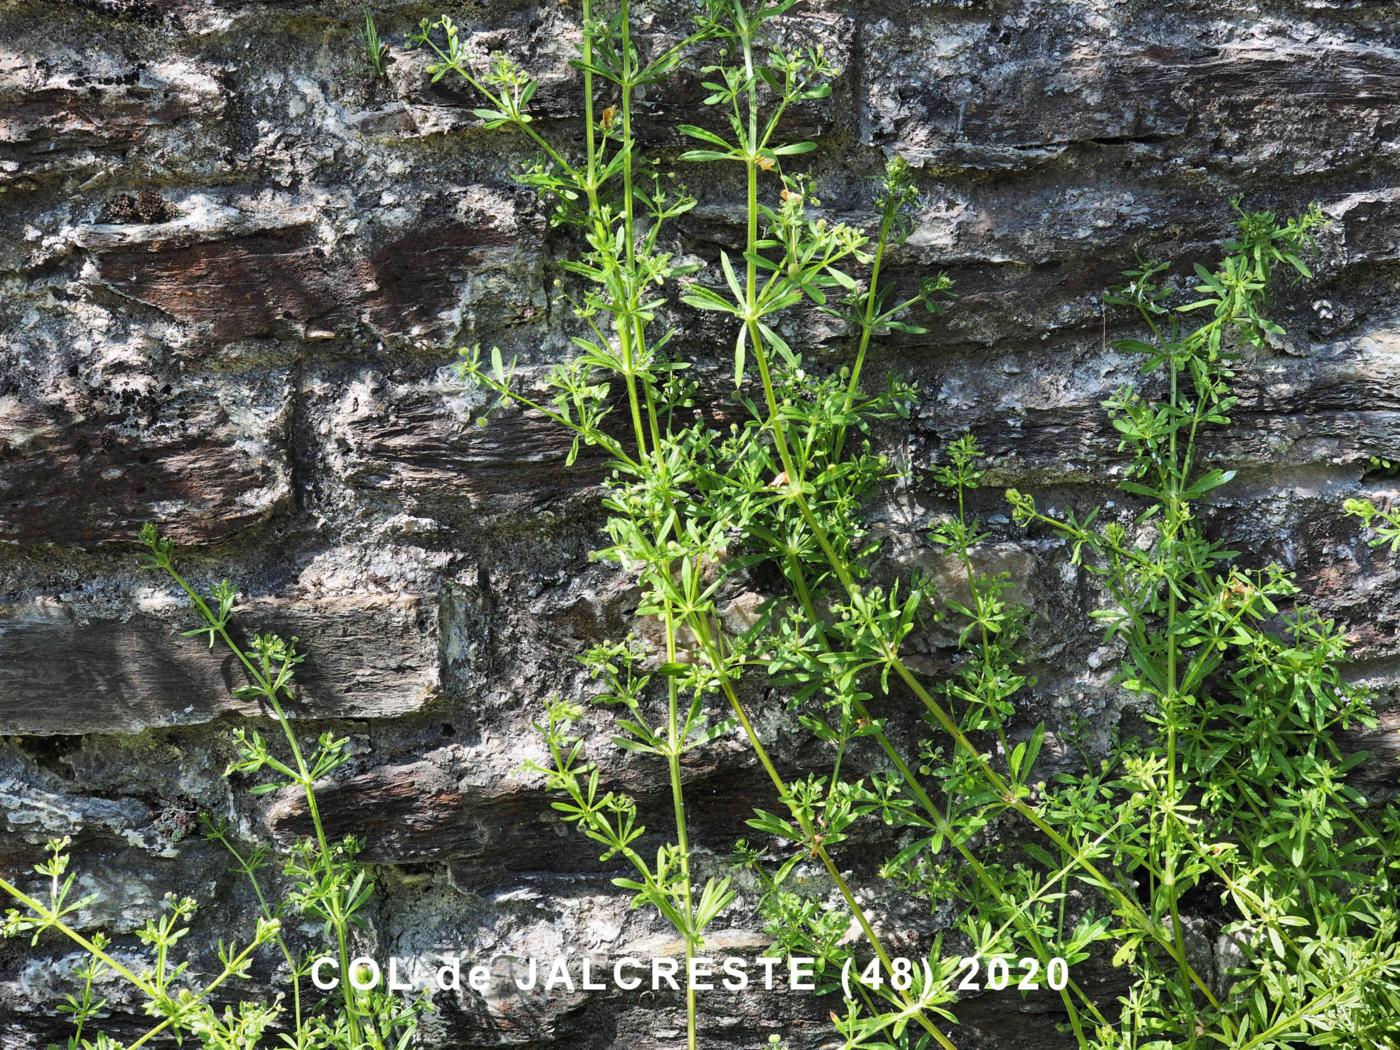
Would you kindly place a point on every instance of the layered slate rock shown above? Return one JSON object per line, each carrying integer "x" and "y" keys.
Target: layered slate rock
{"x": 80, "y": 467}
{"x": 368, "y": 656}
{"x": 78, "y": 111}
{"x": 489, "y": 817}
{"x": 36, "y": 805}
{"x": 1324, "y": 404}
{"x": 1016, "y": 89}
{"x": 236, "y": 267}
{"x": 233, "y": 270}
{"x": 431, "y": 448}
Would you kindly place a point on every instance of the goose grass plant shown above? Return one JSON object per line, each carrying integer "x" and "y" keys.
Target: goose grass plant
{"x": 783, "y": 482}
{"x": 1381, "y": 523}
{"x": 1238, "y": 790}
{"x": 759, "y": 576}
{"x": 1238, "y": 793}
{"x": 328, "y": 886}
{"x": 684, "y": 493}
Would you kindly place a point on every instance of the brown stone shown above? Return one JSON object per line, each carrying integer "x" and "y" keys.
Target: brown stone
{"x": 244, "y": 287}
{"x": 368, "y": 656}
{"x": 78, "y": 112}
{"x": 418, "y": 444}
{"x": 250, "y": 274}
{"x": 74, "y": 474}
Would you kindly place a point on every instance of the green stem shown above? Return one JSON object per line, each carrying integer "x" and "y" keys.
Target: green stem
{"x": 673, "y": 761}
{"x": 811, "y": 839}
{"x": 266, "y": 688}
{"x": 631, "y": 336}
{"x": 235, "y": 965}
{"x": 751, "y": 305}
{"x": 77, "y": 938}
{"x": 867, "y": 327}
{"x": 995, "y": 781}
{"x": 1170, "y": 702}
{"x": 1312, "y": 1007}
{"x": 988, "y": 774}
{"x": 983, "y": 876}
{"x": 266, "y": 910}
{"x": 934, "y": 814}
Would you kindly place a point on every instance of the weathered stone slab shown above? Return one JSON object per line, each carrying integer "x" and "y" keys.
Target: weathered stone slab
{"x": 67, "y": 112}
{"x": 479, "y": 808}
{"x": 1030, "y": 262}
{"x": 83, "y": 468}
{"x": 243, "y": 287}
{"x": 1011, "y": 92}
{"x": 432, "y": 807}
{"x": 36, "y": 806}
{"x": 420, "y": 443}
{"x": 368, "y": 656}
{"x": 1368, "y": 225}
{"x": 245, "y": 269}
{"x": 1306, "y": 405}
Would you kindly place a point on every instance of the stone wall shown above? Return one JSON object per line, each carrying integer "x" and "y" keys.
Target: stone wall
{"x": 234, "y": 265}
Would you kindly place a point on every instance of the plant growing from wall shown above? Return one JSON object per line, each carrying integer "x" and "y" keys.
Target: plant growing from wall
{"x": 1237, "y": 791}
{"x": 682, "y": 494}
{"x": 696, "y": 511}
{"x": 1383, "y": 523}
{"x": 328, "y": 886}
{"x": 376, "y": 51}
{"x": 755, "y": 567}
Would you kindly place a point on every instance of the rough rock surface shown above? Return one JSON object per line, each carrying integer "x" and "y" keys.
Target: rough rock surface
{"x": 234, "y": 266}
